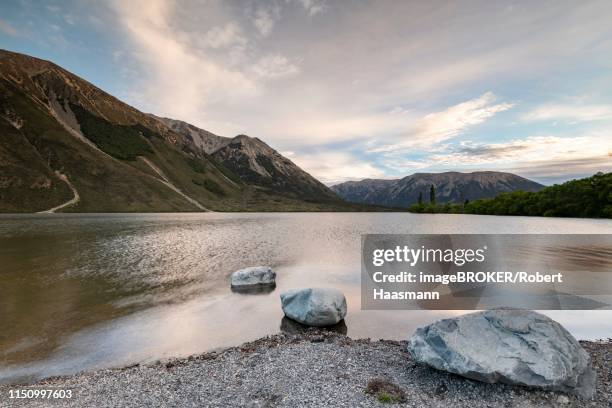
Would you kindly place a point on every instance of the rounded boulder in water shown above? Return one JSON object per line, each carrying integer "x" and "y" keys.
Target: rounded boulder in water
{"x": 253, "y": 276}
{"x": 314, "y": 306}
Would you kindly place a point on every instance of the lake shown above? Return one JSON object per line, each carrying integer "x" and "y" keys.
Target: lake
{"x": 88, "y": 291}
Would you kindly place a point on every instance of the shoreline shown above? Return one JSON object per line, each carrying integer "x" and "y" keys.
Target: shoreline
{"x": 313, "y": 368}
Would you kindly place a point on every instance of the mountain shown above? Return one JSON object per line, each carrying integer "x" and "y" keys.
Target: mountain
{"x": 203, "y": 139}
{"x": 449, "y": 187}
{"x": 256, "y": 163}
{"x": 66, "y": 145}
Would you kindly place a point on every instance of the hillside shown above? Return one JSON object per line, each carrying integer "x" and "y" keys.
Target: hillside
{"x": 590, "y": 197}
{"x": 65, "y": 141}
{"x": 256, "y": 163}
{"x": 449, "y": 187}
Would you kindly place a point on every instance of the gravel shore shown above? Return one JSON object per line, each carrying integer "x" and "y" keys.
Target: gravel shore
{"x": 313, "y": 369}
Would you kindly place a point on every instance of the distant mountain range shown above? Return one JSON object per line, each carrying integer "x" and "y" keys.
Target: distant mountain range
{"x": 66, "y": 145}
{"x": 449, "y": 187}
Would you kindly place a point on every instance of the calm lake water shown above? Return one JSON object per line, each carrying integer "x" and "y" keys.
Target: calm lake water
{"x": 82, "y": 292}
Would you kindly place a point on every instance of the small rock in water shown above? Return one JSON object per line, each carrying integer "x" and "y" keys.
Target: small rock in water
{"x": 314, "y": 306}
{"x": 253, "y": 276}
{"x": 517, "y": 347}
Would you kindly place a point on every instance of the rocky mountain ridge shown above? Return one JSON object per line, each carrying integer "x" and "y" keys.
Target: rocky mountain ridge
{"x": 449, "y": 187}
{"x": 254, "y": 162}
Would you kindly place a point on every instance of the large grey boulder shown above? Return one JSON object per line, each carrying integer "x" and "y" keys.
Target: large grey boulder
{"x": 253, "y": 276}
{"x": 314, "y": 306}
{"x": 517, "y": 347}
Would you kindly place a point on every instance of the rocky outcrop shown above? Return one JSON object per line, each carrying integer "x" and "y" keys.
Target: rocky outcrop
{"x": 518, "y": 347}
{"x": 314, "y": 306}
{"x": 202, "y": 139}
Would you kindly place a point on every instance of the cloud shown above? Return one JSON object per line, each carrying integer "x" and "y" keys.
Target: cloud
{"x": 275, "y": 66}
{"x": 184, "y": 82}
{"x": 53, "y": 8}
{"x": 491, "y": 151}
{"x": 408, "y": 87}
{"x": 437, "y": 127}
{"x": 8, "y": 29}
{"x": 298, "y": 125}
{"x": 314, "y": 7}
{"x": 525, "y": 150}
{"x": 334, "y": 167}
{"x": 545, "y": 158}
{"x": 405, "y": 128}
{"x": 225, "y": 36}
{"x": 69, "y": 19}
{"x": 569, "y": 113}
{"x": 555, "y": 171}
{"x": 264, "y": 19}
{"x": 440, "y": 126}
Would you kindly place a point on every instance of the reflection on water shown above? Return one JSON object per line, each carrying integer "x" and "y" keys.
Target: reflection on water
{"x": 81, "y": 292}
{"x": 254, "y": 289}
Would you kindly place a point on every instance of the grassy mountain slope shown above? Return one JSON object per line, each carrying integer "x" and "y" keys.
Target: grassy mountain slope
{"x": 57, "y": 129}
{"x": 25, "y": 181}
{"x": 104, "y": 183}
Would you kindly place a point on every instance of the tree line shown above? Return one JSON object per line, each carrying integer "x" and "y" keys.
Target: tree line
{"x": 589, "y": 197}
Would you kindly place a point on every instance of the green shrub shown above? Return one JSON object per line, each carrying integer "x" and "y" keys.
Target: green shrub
{"x": 385, "y": 398}
{"x": 385, "y": 391}
{"x": 196, "y": 166}
{"x": 120, "y": 141}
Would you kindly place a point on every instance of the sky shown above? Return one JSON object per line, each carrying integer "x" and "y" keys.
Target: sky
{"x": 353, "y": 89}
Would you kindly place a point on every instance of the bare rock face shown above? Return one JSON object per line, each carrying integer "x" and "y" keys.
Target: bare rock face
{"x": 314, "y": 306}
{"x": 518, "y": 347}
{"x": 203, "y": 139}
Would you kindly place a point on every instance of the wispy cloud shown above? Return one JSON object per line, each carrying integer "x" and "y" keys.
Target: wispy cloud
{"x": 524, "y": 150}
{"x": 264, "y": 19}
{"x": 8, "y": 29}
{"x": 559, "y": 170}
{"x": 314, "y": 7}
{"x": 227, "y": 35}
{"x": 437, "y": 127}
{"x": 183, "y": 82}
{"x": 569, "y": 113}
{"x": 275, "y": 66}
